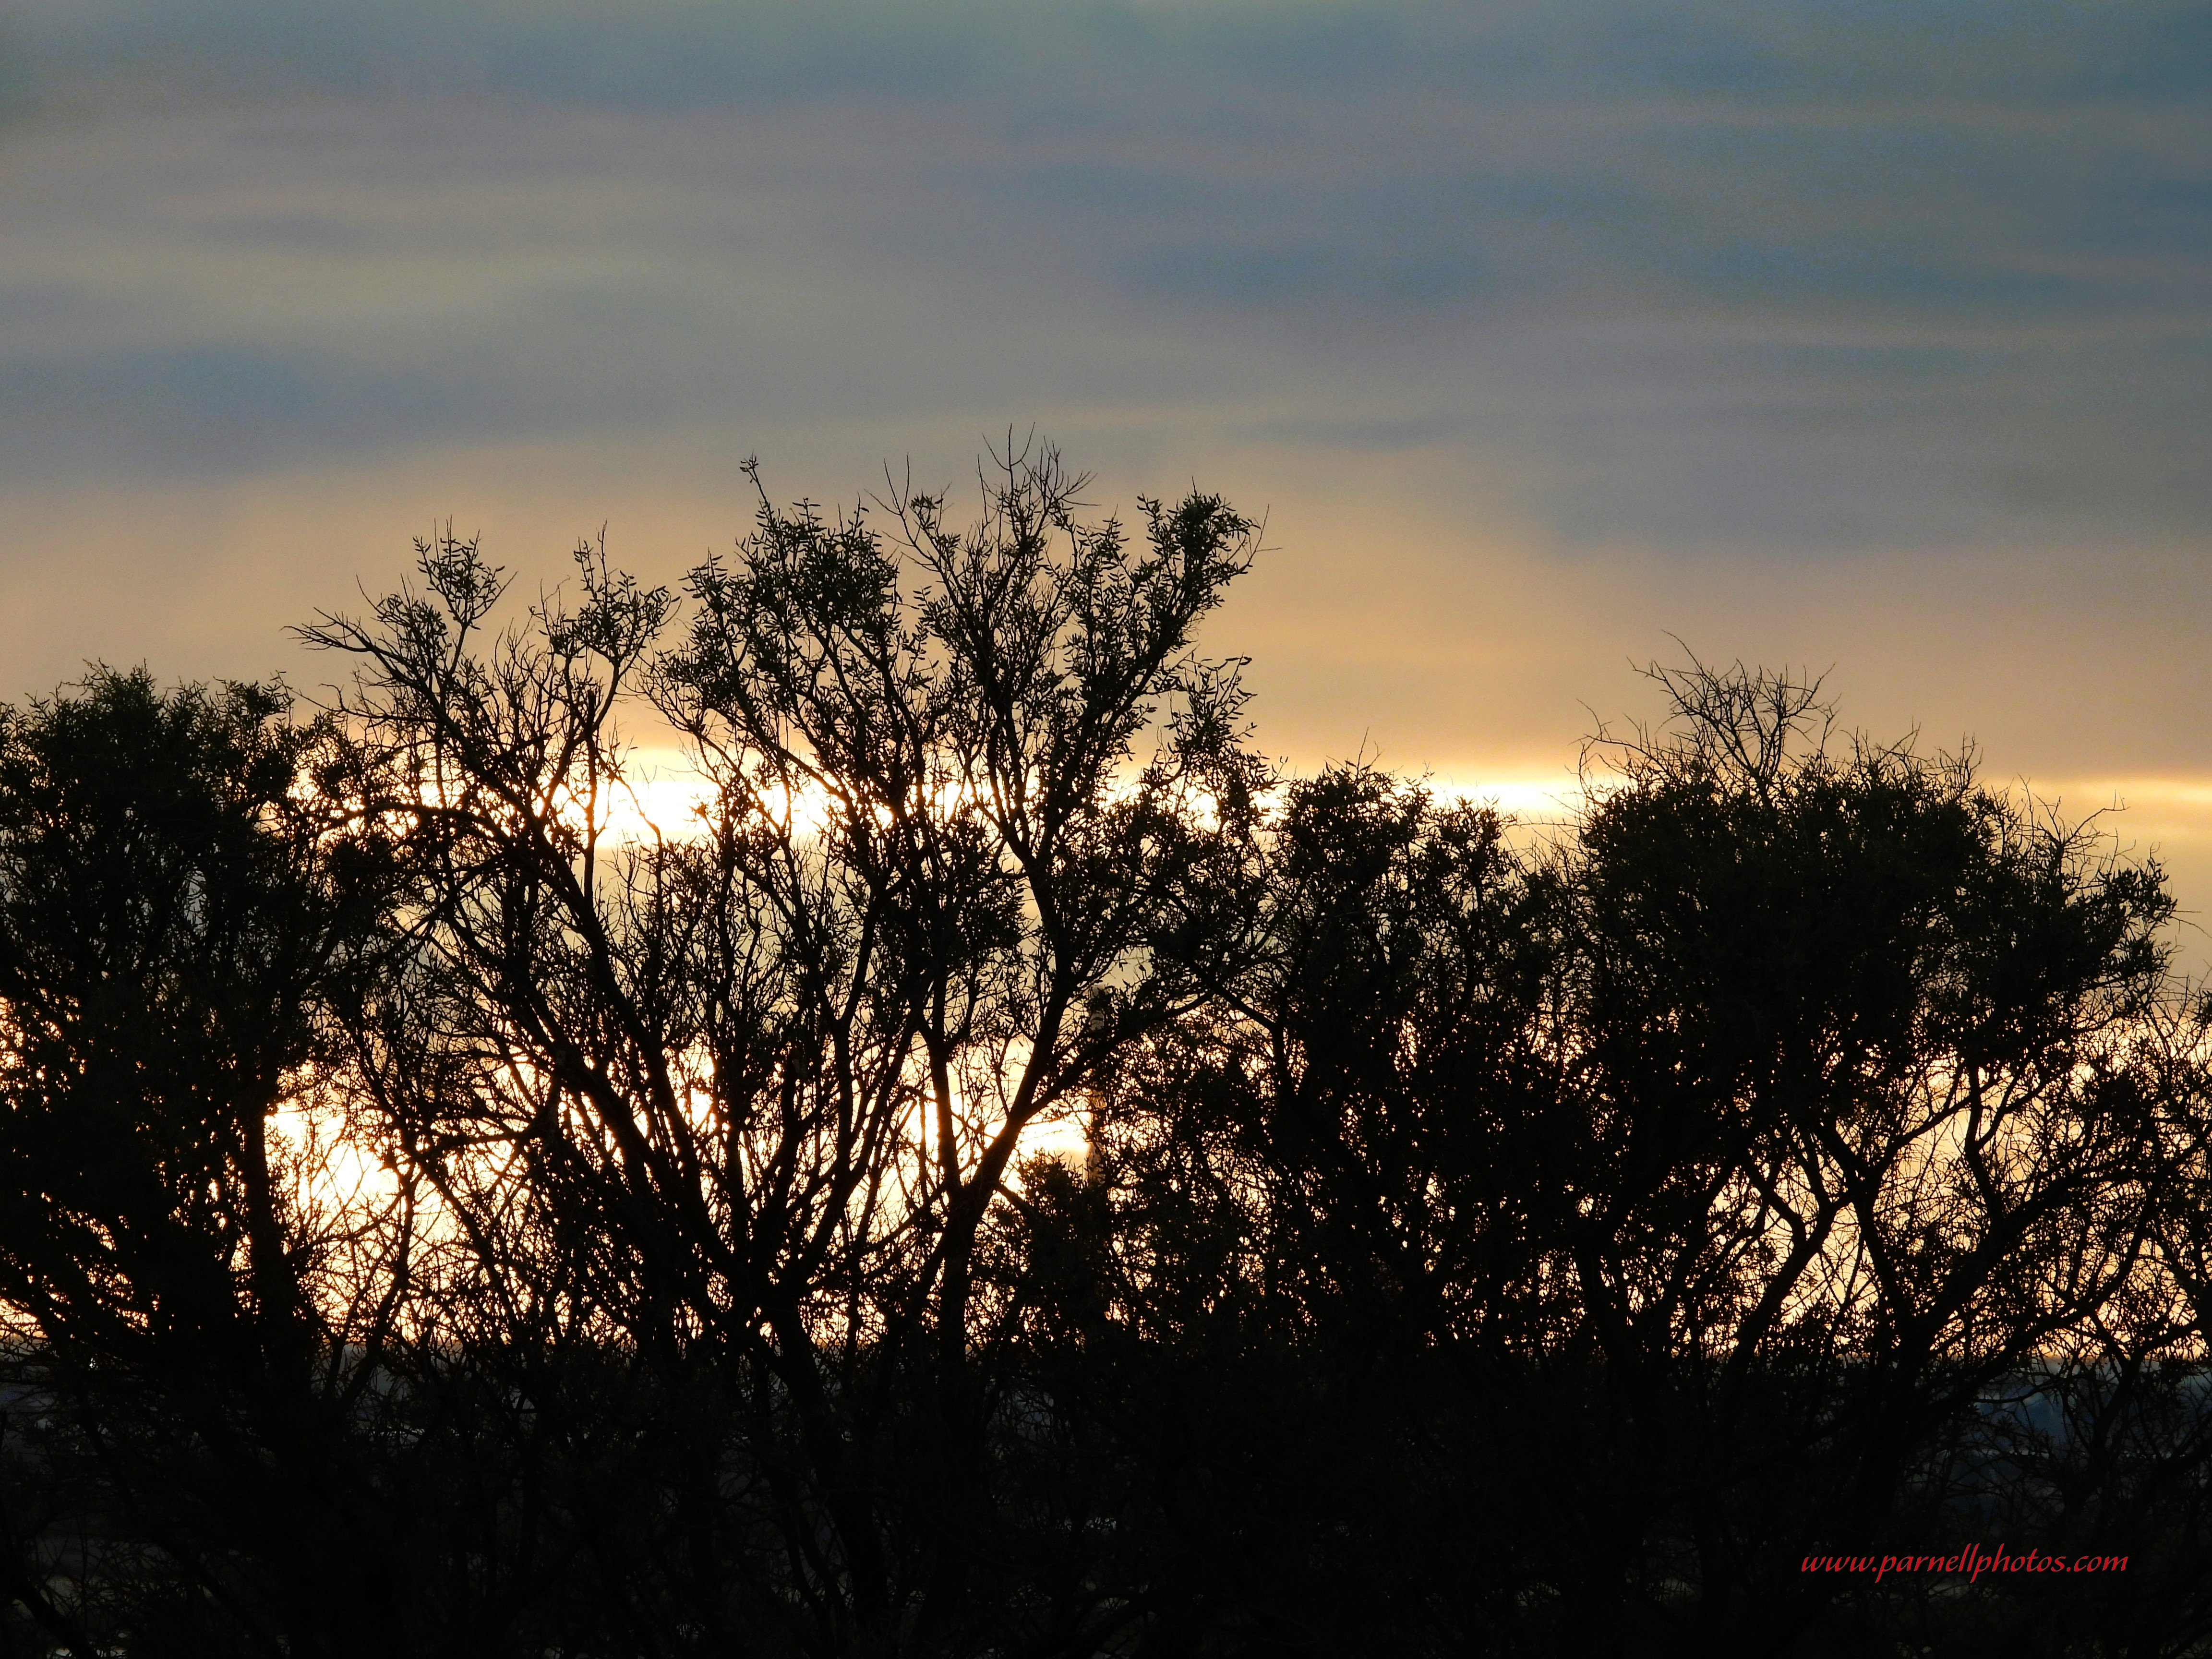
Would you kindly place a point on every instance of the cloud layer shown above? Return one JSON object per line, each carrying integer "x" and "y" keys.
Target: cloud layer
{"x": 1870, "y": 333}
{"x": 1966, "y": 245}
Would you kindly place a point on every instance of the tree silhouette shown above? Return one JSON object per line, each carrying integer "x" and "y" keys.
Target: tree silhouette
{"x": 442, "y": 1212}
{"x": 173, "y": 920}
{"x": 743, "y": 1099}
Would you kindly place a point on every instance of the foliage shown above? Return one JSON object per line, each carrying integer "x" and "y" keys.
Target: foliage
{"x": 1482, "y": 1241}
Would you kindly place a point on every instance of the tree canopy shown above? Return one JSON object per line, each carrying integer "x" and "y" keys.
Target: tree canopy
{"x": 1011, "y": 1172}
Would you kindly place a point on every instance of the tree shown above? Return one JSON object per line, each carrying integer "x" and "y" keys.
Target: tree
{"x": 743, "y": 1097}
{"x": 1692, "y": 1193}
{"x": 175, "y": 919}
{"x": 1863, "y": 1115}
{"x": 441, "y": 1210}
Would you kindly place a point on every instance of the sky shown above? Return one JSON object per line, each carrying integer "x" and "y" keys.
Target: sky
{"x": 1872, "y": 339}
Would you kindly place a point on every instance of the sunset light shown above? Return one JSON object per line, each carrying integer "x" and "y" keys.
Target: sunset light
{"x": 1139, "y": 829}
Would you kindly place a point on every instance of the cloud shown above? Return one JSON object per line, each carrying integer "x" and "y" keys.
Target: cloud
{"x": 1928, "y": 165}
{"x": 1875, "y": 333}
